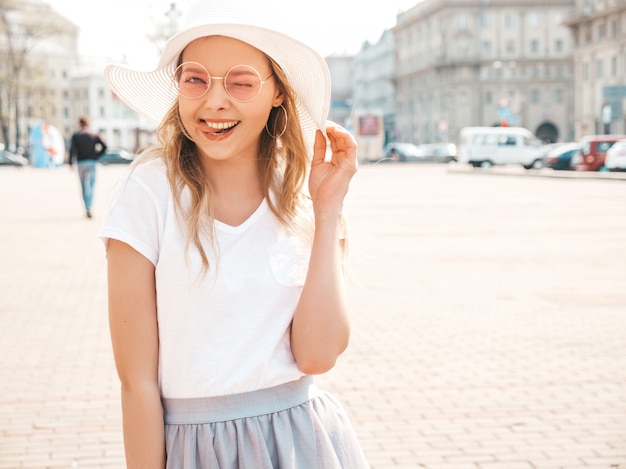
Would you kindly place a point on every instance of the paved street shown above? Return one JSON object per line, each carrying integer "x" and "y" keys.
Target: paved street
{"x": 489, "y": 320}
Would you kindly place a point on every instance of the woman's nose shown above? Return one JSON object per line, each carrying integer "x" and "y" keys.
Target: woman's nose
{"x": 216, "y": 96}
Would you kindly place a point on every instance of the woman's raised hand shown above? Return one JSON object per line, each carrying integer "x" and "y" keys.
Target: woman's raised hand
{"x": 330, "y": 177}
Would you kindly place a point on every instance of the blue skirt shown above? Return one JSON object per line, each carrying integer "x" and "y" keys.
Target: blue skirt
{"x": 291, "y": 426}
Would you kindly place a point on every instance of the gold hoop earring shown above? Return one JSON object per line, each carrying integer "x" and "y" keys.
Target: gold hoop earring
{"x": 274, "y": 121}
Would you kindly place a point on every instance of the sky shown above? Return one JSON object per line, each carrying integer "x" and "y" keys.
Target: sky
{"x": 117, "y": 29}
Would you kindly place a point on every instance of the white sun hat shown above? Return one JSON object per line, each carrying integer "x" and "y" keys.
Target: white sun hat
{"x": 152, "y": 93}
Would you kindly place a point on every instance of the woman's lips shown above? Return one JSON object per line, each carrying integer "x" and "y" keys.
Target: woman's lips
{"x": 215, "y": 130}
{"x": 206, "y": 126}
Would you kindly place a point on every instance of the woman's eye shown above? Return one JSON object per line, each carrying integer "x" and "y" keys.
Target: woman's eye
{"x": 195, "y": 79}
{"x": 242, "y": 84}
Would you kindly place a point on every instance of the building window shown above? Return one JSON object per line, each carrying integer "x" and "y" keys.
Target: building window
{"x": 534, "y": 46}
{"x": 559, "y": 71}
{"x": 533, "y": 20}
{"x": 510, "y": 47}
{"x": 485, "y": 21}
{"x": 486, "y": 47}
{"x": 463, "y": 47}
{"x": 509, "y": 20}
{"x": 599, "y": 67}
{"x": 613, "y": 66}
{"x": 534, "y": 96}
{"x": 558, "y": 18}
{"x": 461, "y": 22}
{"x": 558, "y": 45}
{"x": 614, "y": 29}
{"x": 488, "y": 97}
{"x": 558, "y": 95}
{"x": 601, "y": 31}
{"x": 512, "y": 70}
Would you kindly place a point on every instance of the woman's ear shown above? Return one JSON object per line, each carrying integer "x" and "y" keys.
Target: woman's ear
{"x": 279, "y": 98}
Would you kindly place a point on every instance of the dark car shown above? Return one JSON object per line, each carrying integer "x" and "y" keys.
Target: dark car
{"x": 400, "y": 151}
{"x": 561, "y": 157}
{"x": 116, "y": 157}
{"x": 8, "y": 158}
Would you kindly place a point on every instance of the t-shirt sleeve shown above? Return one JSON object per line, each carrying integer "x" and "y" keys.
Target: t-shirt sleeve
{"x": 133, "y": 217}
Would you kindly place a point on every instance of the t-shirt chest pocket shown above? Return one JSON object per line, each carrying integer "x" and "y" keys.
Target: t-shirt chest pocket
{"x": 289, "y": 261}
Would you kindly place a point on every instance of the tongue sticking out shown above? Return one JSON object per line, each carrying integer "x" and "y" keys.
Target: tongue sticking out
{"x": 217, "y": 129}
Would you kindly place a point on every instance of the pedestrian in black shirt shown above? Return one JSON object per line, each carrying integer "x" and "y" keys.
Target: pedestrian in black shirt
{"x": 85, "y": 149}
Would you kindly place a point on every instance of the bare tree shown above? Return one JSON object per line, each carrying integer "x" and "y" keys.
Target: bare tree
{"x": 165, "y": 28}
{"x": 22, "y": 26}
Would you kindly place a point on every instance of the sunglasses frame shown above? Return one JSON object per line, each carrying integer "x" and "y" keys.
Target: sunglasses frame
{"x": 223, "y": 79}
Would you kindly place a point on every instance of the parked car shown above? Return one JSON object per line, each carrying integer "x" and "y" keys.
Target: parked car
{"x": 8, "y": 158}
{"x": 488, "y": 146}
{"x": 560, "y": 156}
{"x": 440, "y": 152}
{"x": 593, "y": 150}
{"x": 116, "y": 156}
{"x": 616, "y": 156}
{"x": 401, "y": 151}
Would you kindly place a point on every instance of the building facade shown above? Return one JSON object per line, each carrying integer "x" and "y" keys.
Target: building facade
{"x": 63, "y": 85}
{"x": 81, "y": 89}
{"x": 119, "y": 126}
{"x": 557, "y": 68}
{"x": 340, "y": 68}
{"x": 484, "y": 62}
{"x": 599, "y": 31}
{"x": 372, "y": 82}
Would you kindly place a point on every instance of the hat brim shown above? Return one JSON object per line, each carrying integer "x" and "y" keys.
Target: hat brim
{"x": 152, "y": 93}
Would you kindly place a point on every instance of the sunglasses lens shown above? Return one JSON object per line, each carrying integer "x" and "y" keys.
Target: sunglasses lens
{"x": 243, "y": 83}
{"x": 192, "y": 79}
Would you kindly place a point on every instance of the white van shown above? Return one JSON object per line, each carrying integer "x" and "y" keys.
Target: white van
{"x": 487, "y": 146}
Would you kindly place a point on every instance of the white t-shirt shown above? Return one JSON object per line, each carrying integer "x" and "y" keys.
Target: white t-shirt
{"x": 228, "y": 331}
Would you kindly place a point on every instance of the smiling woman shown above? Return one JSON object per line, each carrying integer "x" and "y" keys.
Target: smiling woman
{"x": 236, "y": 101}
{"x": 232, "y": 224}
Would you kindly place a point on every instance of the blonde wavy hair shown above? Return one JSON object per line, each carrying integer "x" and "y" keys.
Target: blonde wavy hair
{"x": 283, "y": 164}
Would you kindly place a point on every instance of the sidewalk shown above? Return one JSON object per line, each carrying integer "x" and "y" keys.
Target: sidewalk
{"x": 489, "y": 322}
{"x": 59, "y": 404}
{"x": 518, "y": 170}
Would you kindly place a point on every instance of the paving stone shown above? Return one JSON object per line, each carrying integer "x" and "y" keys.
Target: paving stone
{"x": 488, "y": 321}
